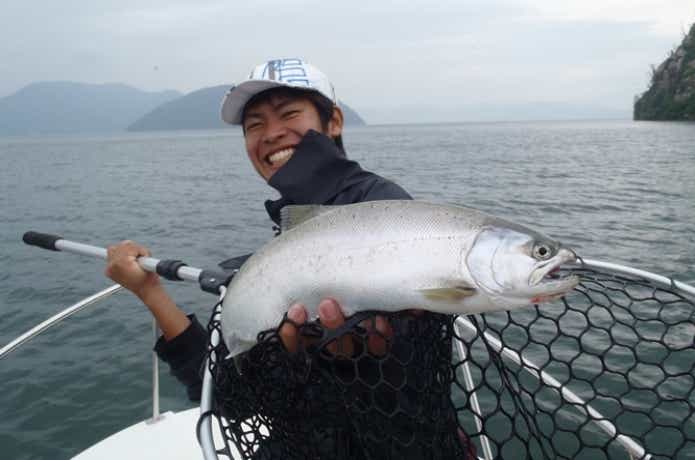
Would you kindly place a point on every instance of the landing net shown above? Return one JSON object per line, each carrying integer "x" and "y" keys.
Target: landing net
{"x": 605, "y": 373}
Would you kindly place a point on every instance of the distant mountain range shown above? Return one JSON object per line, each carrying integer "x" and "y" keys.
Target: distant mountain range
{"x": 201, "y": 110}
{"x": 69, "y": 107}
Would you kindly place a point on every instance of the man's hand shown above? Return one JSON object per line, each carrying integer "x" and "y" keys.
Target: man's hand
{"x": 332, "y": 317}
{"x": 123, "y": 268}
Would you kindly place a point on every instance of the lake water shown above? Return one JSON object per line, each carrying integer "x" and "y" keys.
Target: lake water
{"x": 614, "y": 190}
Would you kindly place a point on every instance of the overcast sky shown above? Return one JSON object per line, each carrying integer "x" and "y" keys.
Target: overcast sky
{"x": 394, "y": 61}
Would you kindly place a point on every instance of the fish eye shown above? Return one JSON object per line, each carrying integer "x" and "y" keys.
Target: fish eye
{"x": 542, "y": 251}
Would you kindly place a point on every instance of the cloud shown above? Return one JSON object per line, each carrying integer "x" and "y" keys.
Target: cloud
{"x": 383, "y": 54}
{"x": 665, "y": 17}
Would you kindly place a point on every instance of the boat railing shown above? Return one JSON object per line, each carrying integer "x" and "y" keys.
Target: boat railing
{"x": 58, "y": 317}
{"x": 76, "y": 308}
{"x": 630, "y": 445}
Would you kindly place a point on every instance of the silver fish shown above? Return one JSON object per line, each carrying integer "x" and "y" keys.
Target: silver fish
{"x": 391, "y": 256}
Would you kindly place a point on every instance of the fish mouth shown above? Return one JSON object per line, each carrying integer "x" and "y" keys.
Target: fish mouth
{"x": 547, "y": 280}
{"x": 279, "y": 157}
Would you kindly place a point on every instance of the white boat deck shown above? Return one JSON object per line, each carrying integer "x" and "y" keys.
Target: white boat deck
{"x": 171, "y": 437}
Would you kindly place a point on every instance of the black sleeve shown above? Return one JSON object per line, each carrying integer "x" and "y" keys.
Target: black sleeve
{"x": 370, "y": 188}
{"x": 383, "y": 189}
{"x": 185, "y": 355}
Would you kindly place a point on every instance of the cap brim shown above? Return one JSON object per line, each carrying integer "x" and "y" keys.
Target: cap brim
{"x": 237, "y": 97}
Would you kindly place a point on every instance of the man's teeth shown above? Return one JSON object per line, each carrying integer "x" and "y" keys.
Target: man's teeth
{"x": 280, "y": 155}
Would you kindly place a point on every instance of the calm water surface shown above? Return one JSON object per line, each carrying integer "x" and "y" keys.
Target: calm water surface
{"x": 617, "y": 191}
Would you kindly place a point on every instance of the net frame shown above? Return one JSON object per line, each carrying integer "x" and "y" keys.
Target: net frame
{"x": 468, "y": 325}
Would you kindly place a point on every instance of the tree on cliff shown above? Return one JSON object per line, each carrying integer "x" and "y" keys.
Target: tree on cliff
{"x": 671, "y": 94}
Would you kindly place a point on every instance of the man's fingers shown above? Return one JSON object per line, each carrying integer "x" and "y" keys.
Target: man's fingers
{"x": 127, "y": 249}
{"x": 131, "y": 248}
{"x": 377, "y": 341}
{"x": 288, "y": 331}
{"x": 122, "y": 257}
{"x": 331, "y": 317}
{"x": 383, "y": 326}
{"x": 330, "y": 314}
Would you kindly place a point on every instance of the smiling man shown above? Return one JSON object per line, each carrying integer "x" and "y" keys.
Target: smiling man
{"x": 275, "y": 121}
{"x": 293, "y": 134}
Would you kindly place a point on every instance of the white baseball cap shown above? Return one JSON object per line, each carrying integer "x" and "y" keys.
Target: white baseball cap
{"x": 288, "y": 72}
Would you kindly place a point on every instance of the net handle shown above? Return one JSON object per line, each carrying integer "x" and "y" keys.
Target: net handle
{"x": 172, "y": 269}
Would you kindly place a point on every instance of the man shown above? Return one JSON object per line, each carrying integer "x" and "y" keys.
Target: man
{"x": 285, "y": 106}
{"x": 293, "y": 134}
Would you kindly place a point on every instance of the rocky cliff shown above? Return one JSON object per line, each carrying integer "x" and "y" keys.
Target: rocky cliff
{"x": 671, "y": 94}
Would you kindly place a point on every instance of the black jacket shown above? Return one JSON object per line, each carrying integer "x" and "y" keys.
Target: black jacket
{"x": 317, "y": 173}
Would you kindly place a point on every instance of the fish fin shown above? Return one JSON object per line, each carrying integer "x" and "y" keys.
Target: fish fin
{"x": 293, "y": 215}
{"x": 458, "y": 292}
{"x": 234, "y": 263}
{"x": 236, "y": 347}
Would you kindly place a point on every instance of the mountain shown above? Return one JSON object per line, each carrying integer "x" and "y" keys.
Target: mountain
{"x": 197, "y": 110}
{"x": 671, "y": 95}
{"x": 69, "y": 107}
{"x": 201, "y": 110}
{"x": 352, "y": 118}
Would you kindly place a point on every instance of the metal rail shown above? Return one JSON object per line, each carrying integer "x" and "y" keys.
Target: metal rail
{"x": 207, "y": 443}
{"x": 663, "y": 280}
{"x": 475, "y": 405}
{"x": 628, "y": 443}
{"x": 57, "y": 318}
{"x": 155, "y": 376}
{"x": 76, "y": 308}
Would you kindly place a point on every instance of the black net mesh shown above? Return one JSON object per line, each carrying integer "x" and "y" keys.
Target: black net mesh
{"x": 606, "y": 372}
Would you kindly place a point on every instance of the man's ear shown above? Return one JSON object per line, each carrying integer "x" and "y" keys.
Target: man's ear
{"x": 335, "y": 124}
